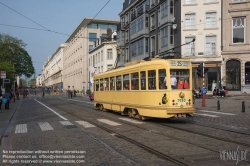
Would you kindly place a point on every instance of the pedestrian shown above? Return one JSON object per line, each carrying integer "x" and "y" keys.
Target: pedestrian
{"x": 1, "y": 97}
{"x": 71, "y": 94}
{"x": 7, "y": 95}
{"x": 43, "y": 93}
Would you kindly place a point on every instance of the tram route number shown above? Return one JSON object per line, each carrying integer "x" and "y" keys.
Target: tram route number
{"x": 181, "y": 100}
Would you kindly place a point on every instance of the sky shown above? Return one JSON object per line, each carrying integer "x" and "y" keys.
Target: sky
{"x": 28, "y": 20}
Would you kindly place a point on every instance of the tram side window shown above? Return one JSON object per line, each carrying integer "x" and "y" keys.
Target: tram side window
{"x": 151, "y": 80}
{"x": 106, "y": 84}
{"x": 135, "y": 81}
{"x": 126, "y": 85}
{"x": 162, "y": 79}
{"x": 118, "y": 83}
{"x": 101, "y": 84}
{"x": 112, "y": 83}
{"x": 179, "y": 79}
{"x": 96, "y": 85}
{"x": 143, "y": 80}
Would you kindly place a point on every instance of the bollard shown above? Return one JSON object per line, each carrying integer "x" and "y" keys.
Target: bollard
{"x": 218, "y": 105}
{"x": 243, "y": 106}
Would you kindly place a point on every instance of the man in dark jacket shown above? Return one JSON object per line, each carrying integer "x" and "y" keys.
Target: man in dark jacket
{"x": 7, "y": 95}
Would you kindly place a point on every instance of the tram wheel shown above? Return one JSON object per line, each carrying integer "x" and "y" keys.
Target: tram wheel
{"x": 101, "y": 107}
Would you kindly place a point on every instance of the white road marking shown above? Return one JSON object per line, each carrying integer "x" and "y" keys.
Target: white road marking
{"x": 81, "y": 101}
{"x": 131, "y": 120}
{"x": 45, "y": 126}
{"x": 109, "y": 122}
{"x": 214, "y": 116}
{"x": 21, "y": 128}
{"x": 66, "y": 123}
{"x": 216, "y": 112}
{"x": 52, "y": 110}
{"x": 85, "y": 124}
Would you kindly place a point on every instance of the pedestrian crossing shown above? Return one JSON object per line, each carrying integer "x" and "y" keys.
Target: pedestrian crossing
{"x": 46, "y": 126}
{"x": 213, "y": 114}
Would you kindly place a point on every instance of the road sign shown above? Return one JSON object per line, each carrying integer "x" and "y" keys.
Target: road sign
{"x": 6, "y": 81}
{"x": 3, "y": 74}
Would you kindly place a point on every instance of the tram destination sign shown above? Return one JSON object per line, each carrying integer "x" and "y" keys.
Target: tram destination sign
{"x": 179, "y": 63}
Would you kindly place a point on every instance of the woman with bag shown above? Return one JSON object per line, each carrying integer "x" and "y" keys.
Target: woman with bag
{"x": 7, "y": 96}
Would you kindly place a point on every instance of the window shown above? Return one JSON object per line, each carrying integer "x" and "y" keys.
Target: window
{"x": 118, "y": 83}
{"x": 151, "y": 80}
{"x": 126, "y": 85}
{"x": 135, "y": 81}
{"x": 208, "y": 1}
{"x": 98, "y": 56}
{"x": 211, "y": 45}
{"x": 171, "y": 7}
{"x": 239, "y": 30}
{"x": 164, "y": 37}
{"x": 112, "y": 83}
{"x": 91, "y": 47}
{"x": 101, "y": 85}
{"x": 92, "y": 37}
{"x": 179, "y": 79}
{"x": 109, "y": 66}
{"x": 146, "y": 22}
{"x": 101, "y": 68}
{"x": 140, "y": 46}
{"x": 247, "y": 73}
{"x": 162, "y": 79}
{"x": 133, "y": 49}
{"x": 110, "y": 54}
{"x": 190, "y": 48}
{"x": 140, "y": 24}
{"x": 143, "y": 80}
{"x": 210, "y": 20}
{"x": 153, "y": 44}
{"x": 152, "y": 18}
{"x": 171, "y": 36}
{"x": 164, "y": 9}
{"x": 190, "y": 21}
{"x": 104, "y": 35}
{"x": 106, "y": 84}
{"x": 133, "y": 28}
{"x": 190, "y": 1}
{"x": 146, "y": 43}
{"x": 101, "y": 55}
{"x": 96, "y": 85}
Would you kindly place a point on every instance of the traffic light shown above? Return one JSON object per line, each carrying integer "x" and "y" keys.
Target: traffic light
{"x": 200, "y": 70}
{"x": 205, "y": 70}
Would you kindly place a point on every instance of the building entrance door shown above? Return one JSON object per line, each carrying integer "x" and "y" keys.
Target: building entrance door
{"x": 232, "y": 79}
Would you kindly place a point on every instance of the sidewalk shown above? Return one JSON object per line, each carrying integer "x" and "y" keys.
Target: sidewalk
{"x": 6, "y": 115}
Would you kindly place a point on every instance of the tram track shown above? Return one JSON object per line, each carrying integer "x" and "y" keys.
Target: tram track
{"x": 132, "y": 141}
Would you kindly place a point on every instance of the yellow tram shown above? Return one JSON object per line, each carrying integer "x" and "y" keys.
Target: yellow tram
{"x": 142, "y": 89}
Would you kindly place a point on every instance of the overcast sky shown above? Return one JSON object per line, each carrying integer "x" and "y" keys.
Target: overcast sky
{"x": 62, "y": 16}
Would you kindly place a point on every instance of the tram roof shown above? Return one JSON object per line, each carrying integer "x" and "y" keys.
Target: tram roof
{"x": 139, "y": 63}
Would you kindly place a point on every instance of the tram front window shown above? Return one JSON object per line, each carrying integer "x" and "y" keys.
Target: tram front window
{"x": 179, "y": 78}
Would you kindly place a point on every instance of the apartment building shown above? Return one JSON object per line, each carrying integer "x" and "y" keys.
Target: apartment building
{"x": 76, "y": 54}
{"x": 39, "y": 80}
{"x": 201, "y": 19}
{"x": 52, "y": 72}
{"x": 236, "y": 45}
{"x": 148, "y": 28}
{"x": 103, "y": 56}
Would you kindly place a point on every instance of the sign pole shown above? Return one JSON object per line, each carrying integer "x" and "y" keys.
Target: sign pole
{"x": 203, "y": 89}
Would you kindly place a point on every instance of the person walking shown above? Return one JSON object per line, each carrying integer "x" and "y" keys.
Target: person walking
{"x": 7, "y": 95}
{"x": 1, "y": 97}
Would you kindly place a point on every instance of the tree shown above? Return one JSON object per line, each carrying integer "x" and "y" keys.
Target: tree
{"x": 12, "y": 50}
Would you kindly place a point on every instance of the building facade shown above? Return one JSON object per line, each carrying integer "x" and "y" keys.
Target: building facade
{"x": 102, "y": 57}
{"x": 39, "y": 80}
{"x": 52, "y": 72}
{"x": 201, "y": 19}
{"x": 76, "y": 54}
{"x": 148, "y": 28}
{"x": 236, "y": 45}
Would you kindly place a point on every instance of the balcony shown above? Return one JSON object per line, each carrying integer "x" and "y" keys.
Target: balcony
{"x": 121, "y": 26}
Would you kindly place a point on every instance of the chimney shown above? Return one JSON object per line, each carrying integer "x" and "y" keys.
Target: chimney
{"x": 109, "y": 34}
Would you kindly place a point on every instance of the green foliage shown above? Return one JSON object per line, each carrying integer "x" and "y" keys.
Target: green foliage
{"x": 12, "y": 51}
{"x": 227, "y": 79}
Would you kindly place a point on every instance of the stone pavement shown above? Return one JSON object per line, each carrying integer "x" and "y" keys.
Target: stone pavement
{"x": 6, "y": 116}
